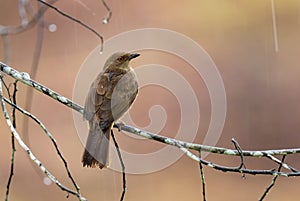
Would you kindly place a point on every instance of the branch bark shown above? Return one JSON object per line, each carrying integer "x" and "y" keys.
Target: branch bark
{"x": 184, "y": 146}
{"x": 29, "y": 152}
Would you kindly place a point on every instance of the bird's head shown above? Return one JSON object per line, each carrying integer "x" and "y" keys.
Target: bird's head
{"x": 120, "y": 59}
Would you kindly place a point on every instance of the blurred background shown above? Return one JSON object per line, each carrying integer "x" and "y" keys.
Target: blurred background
{"x": 254, "y": 45}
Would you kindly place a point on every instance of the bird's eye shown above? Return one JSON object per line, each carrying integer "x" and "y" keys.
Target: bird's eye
{"x": 120, "y": 59}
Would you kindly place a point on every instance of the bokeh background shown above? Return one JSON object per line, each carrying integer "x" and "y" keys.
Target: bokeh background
{"x": 261, "y": 82}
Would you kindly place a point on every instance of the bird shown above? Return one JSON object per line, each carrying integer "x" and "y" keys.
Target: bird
{"x": 109, "y": 97}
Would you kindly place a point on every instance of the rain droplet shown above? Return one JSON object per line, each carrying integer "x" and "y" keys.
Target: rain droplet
{"x": 47, "y": 181}
{"x": 105, "y": 21}
{"x": 52, "y": 27}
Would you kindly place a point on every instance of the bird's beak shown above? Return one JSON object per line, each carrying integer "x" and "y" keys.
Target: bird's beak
{"x": 133, "y": 55}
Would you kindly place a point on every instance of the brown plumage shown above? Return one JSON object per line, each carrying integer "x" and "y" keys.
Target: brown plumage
{"x": 110, "y": 96}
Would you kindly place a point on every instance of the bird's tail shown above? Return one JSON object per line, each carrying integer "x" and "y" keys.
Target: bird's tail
{"x": 97, "y": 147}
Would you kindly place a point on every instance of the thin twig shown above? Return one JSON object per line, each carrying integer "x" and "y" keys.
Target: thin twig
{"x": 122, "y": 165}
{"x": 29, "y": 152}
{"x": 233, "y": 169}
{"x": 202, "y": 178}
{"x": 239, "y": 149}
{"x": 284, "y": 165}
{"x": 107, "y": 18}
{"x": 6, "y": 30}
{"x": 75, "y": 20}
{"x": 273, "y": 180}
{"x": 49, "y": 135}
{"x": 23, "y": 11}
{"x": 33, "y": 71}
{"x": 6, "y": 86}
{"x": 14, "y": 100}
{"x": 13, "y": 146}
{"x": 6, "y": 47}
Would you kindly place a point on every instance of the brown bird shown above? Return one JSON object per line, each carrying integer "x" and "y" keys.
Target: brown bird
{"x": 110, "y": 96}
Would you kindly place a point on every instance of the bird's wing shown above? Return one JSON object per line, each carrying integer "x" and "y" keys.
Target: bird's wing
{"x": 110, "y": 96}
{"x": 96, "y": 99}
{"x": 125, "y": 92}
{"x": 97, "y": 111}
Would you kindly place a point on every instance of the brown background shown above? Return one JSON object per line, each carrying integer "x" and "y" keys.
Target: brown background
{"x": 261, "y": 86}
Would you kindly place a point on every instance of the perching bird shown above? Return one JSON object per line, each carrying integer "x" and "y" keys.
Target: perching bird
{"x": 110, "y": 96}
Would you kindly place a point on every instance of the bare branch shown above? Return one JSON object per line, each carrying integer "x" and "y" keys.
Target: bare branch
{"x": 25, "y": 9}
{"x": 184, "y": 146}
{"x": 5, "y": 30}
{"x": 24, "y": 78}
{"x": 29, "y": 152}
{"x": 107, "y": 18}
{"x": 49, "y": 135}
{"x": 202, "y": 178}
{"x": 284, "y": 165}
{"x": 239, "y": 149}
{"x": 6, "y": 47}
{"x": 273, "y": 180}
{"x": 122, "y": 165}
{"x": 13, "y": 147}
{"x": 75, "y": 20}
{"x": 205, "y": 148}
{"x": 33, "y": 71}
